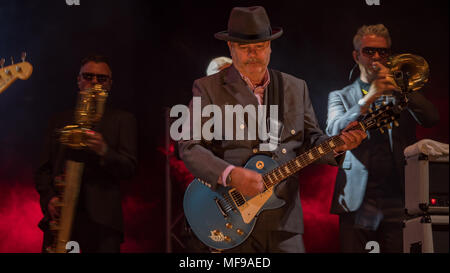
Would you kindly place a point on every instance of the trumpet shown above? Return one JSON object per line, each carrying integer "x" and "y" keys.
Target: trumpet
{"x": 410, "y": 72}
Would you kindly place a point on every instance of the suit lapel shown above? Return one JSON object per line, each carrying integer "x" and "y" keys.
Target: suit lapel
{"x": 236, "y": 86}
{"x": 355, "y": 93}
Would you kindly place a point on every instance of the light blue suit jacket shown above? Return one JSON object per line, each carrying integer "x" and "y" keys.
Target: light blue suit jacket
{"x": 352, "y": 177}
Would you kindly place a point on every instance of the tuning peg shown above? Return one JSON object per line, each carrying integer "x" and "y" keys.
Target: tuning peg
{"x": 7, "y": 71}
{"x": 381, "y": 130}
{"x": 370, "y": 110}
{"x": 396, "y": 123}
{"x": 388, "y": 126}
{"x": 23, "y": 56}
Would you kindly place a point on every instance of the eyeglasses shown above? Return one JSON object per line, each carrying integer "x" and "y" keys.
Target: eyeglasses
{"x": 101, "y": 78}
{"x": 383, "y": 52}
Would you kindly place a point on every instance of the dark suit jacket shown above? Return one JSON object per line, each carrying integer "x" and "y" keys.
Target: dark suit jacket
{"x": 99, "y": 192}
{"x": 208, "y": 159}
{"x": 352, "y": 178}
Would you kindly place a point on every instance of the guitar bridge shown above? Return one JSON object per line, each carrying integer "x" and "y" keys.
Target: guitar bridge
{"x": 221, "y": 209}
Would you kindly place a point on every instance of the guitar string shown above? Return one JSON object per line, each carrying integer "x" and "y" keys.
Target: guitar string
{"x": 276, "y": 175}
{"x": 292, "y": 167}
{"x": 303, "y": 161}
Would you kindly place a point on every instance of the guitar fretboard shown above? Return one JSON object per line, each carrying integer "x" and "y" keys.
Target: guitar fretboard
{"x": 291, "y": 167}
{"x": 284, "y": 171}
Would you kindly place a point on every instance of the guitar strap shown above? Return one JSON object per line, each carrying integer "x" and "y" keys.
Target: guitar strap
{"x": 274, "y": 96}
{"x": 274, "y": 92}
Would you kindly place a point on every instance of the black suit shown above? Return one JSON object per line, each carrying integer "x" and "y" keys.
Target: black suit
{"x": 100, "y": 198}
{"x": 372, "y": 175}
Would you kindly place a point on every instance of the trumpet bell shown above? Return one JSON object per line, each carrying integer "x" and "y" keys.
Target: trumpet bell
{"x": 409, "y": 71}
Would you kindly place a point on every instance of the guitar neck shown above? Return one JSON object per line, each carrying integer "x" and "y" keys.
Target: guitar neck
{"x": 279, "y": 174}
{"x": 5, "y": 83}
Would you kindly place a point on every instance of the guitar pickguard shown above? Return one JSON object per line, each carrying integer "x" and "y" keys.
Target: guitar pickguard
{"x": 253, "y": 206}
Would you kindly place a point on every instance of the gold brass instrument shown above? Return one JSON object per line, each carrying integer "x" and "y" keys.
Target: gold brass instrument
{"x": 89, "y": 111}
{"x": 410, "y": 72}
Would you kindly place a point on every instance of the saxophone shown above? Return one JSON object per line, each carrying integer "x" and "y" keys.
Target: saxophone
{"x": 88, "y": 112}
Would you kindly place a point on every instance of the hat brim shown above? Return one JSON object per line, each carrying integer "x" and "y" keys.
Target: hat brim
{"x": 224, "y": 35}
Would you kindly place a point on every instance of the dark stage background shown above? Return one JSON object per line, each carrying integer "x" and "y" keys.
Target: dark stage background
{"x": 157, "y": 51}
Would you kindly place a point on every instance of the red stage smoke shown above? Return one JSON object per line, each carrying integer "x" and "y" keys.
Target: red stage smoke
{"x": 316, "y": 191}
{"x": 19, "y": 215}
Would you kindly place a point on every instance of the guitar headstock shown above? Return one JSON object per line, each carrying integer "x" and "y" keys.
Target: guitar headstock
{"x": 9, "y": 74}
{"x": 383, "y": 116}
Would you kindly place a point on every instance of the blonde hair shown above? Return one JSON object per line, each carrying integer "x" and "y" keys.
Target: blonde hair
{"x": 378, "y": 30}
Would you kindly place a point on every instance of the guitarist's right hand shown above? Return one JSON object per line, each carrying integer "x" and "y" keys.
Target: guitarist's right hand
{"x": 247, "y": 182}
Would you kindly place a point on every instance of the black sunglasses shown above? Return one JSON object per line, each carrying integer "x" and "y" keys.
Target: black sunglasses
{"x": 382, "y": 51}
{"x": 101, "y": 78}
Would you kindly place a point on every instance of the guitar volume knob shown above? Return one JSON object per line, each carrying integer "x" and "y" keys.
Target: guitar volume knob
{"x": 216, "y": 232}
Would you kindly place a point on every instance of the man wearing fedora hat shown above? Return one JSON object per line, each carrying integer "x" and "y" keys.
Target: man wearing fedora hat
{"x": 246, "y": 82}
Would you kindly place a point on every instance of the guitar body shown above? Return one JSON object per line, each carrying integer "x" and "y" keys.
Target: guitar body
{"x": 220, "y": 219}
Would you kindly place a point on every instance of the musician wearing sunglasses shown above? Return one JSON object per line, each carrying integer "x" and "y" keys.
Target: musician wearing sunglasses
{"x": 369, "y": 188}
{"x": 109, "y": 158}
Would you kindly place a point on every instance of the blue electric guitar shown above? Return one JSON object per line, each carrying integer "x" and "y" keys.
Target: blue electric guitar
{"x": 224, "y": 218}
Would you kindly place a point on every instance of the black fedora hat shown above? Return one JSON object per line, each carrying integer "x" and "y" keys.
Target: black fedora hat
{"x": 249, "y": 25}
